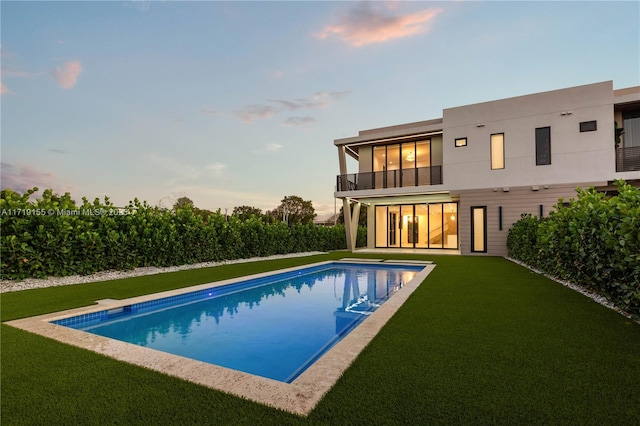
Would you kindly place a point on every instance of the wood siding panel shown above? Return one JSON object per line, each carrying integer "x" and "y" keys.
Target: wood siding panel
{"x": 515, "y": 202}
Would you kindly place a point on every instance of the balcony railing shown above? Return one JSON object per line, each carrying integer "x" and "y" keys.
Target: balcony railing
{"x": 628, "y": 159}
{"x": 390, "y": 179}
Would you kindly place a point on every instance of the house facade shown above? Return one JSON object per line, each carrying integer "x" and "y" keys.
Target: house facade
{"x": 458, "y": 183}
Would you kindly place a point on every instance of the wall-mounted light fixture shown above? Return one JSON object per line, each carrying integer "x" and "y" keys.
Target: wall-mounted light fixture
{"x": 566, "y": 113}
{"x": 479, "y": 125}
{"x": 506, "y": 189}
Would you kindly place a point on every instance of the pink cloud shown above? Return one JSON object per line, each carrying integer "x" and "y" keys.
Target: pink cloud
{"x": 252, "y": 112}
{"x": 299, "y": 121}
{"x": 22, "y": 178}
{"x": 67, "y": 75}
{"x": 368, "y": 23}
{"x": 4, "y": 90}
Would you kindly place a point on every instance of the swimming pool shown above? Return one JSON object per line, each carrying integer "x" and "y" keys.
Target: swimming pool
{"x": 299, "y": 396}
{"x": 273, "y": 327}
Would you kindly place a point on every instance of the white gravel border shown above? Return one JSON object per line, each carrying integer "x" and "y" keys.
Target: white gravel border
{"x": 7, "y": 286}
{"x": 598, "y": 298}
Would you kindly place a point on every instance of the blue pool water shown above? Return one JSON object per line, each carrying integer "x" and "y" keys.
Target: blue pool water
{"x": 273, "y": 327}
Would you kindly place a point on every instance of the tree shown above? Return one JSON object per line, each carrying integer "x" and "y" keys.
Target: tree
{"x": 294, "y": 209}
{"x": 362, "y": 220}
{"x": 183, "y": 203}
{"x": 245, "y": 212}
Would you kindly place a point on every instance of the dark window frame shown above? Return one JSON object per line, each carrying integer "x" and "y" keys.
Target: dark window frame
{"x": 455, "y": 142}
{"x": 484, "y": 209}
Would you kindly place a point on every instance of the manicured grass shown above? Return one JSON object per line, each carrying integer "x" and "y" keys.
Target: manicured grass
{"x": 481, "y": 341}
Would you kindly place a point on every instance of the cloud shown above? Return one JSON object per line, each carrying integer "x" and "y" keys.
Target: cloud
{"x": 369, "y": 23}
{"x": 299, "y": 121}
{"x": 23, "y": 178}
{"x": 67, "y": 75}
{"x": 58, "y": 151}
{"x": 173, "y": 166}
{"x": 178, "y": 171}
{"x": 317, "y": 100}
{"x": 210, "y": 111}
{"x": 273, "y": 147}
{"x": 4, "y": 90}
{"x": 270, "y": 147}
{"x": 253, "y": 112}
{"x": 217, "y": 169}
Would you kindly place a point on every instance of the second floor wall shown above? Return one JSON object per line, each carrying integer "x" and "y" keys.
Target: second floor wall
{"x": 562, "y": 136}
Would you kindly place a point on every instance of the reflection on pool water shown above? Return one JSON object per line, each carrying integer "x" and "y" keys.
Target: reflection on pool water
{"x": 273, "y": 327}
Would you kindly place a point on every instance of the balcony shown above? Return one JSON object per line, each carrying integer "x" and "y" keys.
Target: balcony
{"x": 390, "y": 179}
{"x": 628, "y": 159}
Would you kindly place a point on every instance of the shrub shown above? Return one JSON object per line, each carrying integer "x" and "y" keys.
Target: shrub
{"x": 593, "y": 242}
{"x": 53, "y": 236}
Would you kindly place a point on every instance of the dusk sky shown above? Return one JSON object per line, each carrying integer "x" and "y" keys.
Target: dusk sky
{"x": 238, "y": 103}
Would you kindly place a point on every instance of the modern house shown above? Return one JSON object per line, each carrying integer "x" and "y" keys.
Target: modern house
{"x": 459, "y": 182}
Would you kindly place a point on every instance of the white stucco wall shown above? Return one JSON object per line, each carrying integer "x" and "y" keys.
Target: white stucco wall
{"x": 575, "y": 156}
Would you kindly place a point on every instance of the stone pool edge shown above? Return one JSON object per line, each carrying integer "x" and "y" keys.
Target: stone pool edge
{"x": 299, "y": 397}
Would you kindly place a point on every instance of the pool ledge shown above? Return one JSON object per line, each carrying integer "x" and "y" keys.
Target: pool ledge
{"x": 299, "y": 397}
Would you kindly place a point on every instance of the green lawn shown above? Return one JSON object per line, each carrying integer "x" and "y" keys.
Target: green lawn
{"x": 482, "y": 341}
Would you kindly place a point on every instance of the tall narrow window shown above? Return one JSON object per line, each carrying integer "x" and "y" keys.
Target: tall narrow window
{"x": 543, "y": 146}
{"x": 497, "y": 151}
{"x": 479, "y": 229}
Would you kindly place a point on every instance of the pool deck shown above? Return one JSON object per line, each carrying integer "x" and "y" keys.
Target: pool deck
{"x": 299, "y": 397}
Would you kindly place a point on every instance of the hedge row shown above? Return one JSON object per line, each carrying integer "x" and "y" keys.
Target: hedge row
{"x": 593, "y": 241}
{"x": 53, "y": 236}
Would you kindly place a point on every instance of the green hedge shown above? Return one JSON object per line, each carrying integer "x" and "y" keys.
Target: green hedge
{"x": 593, "y": 241}
{"x": 52, "y": 236}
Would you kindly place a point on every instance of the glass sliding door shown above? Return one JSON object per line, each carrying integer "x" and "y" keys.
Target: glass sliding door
{"x": 379, "y": 166}
{"x": 423, "y": 162}
{"x": 394, "y": 224}
{"x": 409, "y": 226}
{"x": 393, "y": 167}
{"x": 435, "y": 225}
{"x": 424, "y": 226}
{"x": 381, "y": 226}
{"x": 450, "y": 229}
{"x": 422, "y": 219}
{"x": 409, "y": 164}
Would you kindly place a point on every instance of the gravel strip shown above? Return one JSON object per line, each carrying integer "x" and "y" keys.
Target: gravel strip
{"x": 31, "y": 283}
{"x": 590, "y": 294}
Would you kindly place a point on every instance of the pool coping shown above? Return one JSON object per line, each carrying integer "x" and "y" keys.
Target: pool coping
{"x": 298, "y": 397}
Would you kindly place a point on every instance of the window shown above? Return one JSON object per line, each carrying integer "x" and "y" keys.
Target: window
{"x": 589, "y": 126}
{"x": 543, "y": 146}
{"x": 400, "y": 165}
{"x": 479, "y": 229}
{"x": 631, "y": 127}
{"x": 461, "y": 142}
{"x": 431, "y": 225}
{"x": 497, "y": 151}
